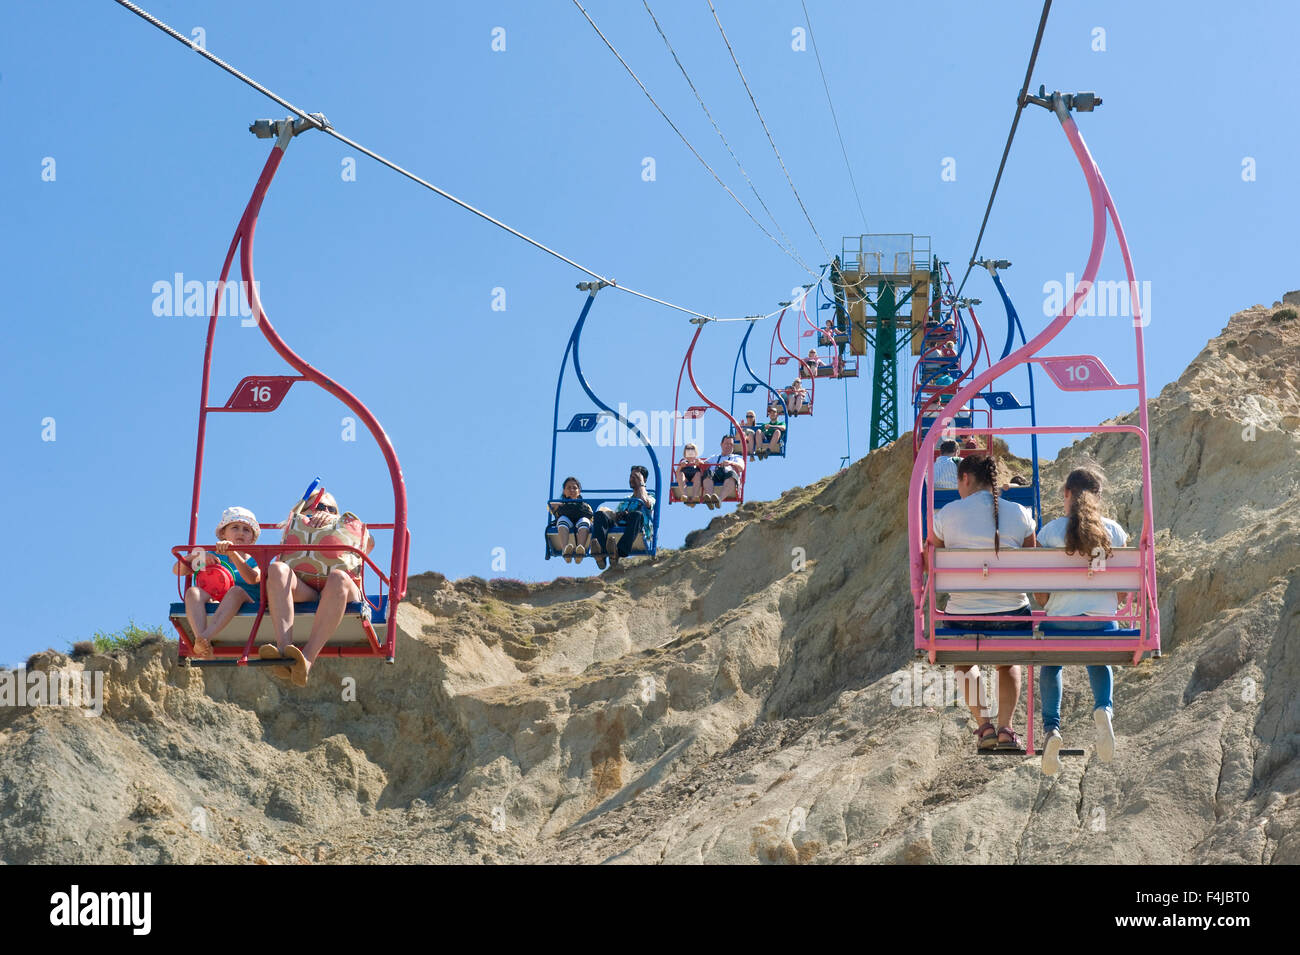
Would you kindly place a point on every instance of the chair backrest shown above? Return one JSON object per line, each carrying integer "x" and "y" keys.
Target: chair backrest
{"x": 1020, "y": 493}
{"x": 1035, "y": 569}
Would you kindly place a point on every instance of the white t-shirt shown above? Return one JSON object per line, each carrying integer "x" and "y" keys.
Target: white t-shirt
{"x": 945, "y": 476}
{"x": 967, "y": 524}
{"x": 1074, "y": 603}
{"x": 734, "y": 461}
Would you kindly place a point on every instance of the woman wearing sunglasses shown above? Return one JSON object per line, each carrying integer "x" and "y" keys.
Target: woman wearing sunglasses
{"x": 334, "y": 579}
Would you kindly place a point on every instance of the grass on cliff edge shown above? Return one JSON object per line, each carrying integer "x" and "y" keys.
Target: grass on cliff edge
{"x": 128, "y": 638}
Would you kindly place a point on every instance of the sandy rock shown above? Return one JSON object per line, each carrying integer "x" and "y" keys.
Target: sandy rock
{"x": 739, "y": 701}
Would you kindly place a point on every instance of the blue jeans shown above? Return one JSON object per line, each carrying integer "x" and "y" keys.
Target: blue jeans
{"x": 1049, "y": 677}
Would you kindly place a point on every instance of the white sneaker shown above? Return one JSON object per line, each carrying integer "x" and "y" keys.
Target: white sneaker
{"x": 1105, "y": 735}
{"x": 1052, "y": 754}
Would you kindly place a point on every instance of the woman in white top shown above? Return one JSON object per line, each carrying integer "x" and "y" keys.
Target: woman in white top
{"x": 1089, "y": 535}
{"x": 980, "y": 520}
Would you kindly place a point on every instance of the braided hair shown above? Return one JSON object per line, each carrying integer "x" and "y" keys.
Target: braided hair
{"x": 983, "y": 468}
{"x": 1086, "y": 534}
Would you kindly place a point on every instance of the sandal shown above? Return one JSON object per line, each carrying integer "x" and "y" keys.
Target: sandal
{"x": 986, "y": 736}
{"x": 1012, "y": 743}
{"x": 203, "y": 648}
{"x": 579, "y": 552}
{"x": 298, "y": 675}
{"x": 567, "y": 553}
{"x": 269, "y": 651}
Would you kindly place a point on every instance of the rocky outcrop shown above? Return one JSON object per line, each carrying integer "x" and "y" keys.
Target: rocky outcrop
{"x": 735, "y": 701}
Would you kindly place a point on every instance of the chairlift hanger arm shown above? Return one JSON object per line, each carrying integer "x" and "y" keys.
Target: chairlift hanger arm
{"x": 1102, "y": 207}
{"x": 925, "y": 449}
{"x": 245, "y": 234}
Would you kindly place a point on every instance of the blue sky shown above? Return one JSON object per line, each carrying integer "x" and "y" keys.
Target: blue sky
{"x": 390, "y": 289}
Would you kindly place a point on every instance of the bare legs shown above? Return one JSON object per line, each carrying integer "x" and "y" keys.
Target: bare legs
{"x": 339, "y": 590}
{"x": 768, "y": 444}
{"x": 584, "y": 541}
{"x": 284, "y": 589}
{"x": 713, "y": 499}
{"x": 685, "y": 488}
{"x": 204, "y": 629}
{"x": 196, "y": 613}
{"x": 1008, "y": 694}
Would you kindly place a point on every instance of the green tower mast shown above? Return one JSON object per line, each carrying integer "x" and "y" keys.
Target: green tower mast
{"x": 887, "y": 282}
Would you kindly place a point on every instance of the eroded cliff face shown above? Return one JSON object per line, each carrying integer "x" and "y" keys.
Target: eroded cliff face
{"x": 734, "y": 701}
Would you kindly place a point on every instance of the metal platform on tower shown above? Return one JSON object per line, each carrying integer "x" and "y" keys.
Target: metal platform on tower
{"x": 887, "y": 284}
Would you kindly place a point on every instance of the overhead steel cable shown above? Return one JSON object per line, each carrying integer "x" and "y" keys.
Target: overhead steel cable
{"x": 680, "y": 135}
{"x": 763, "y": 122}
{"x": 1020, "y": 105}
{"x": 320, "y": 123}
{"x": 699, "y": 99}
{"x": 834, "y": 118}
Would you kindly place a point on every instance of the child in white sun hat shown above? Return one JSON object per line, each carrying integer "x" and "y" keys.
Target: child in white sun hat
{"x": 228, "y": 577}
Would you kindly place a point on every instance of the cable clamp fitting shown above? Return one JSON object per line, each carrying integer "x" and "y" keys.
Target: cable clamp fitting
{"x": 1061, "y": 103}
{"x": 272, "y": 128}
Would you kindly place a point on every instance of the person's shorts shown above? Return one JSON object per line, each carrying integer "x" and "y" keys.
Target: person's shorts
{"x": 721, "y": 474}
{"x": 583, "y": 522}
{"x": 317, "y": 582}
{"x": 689, "y": 472}
{"x": 993, "y": 625}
